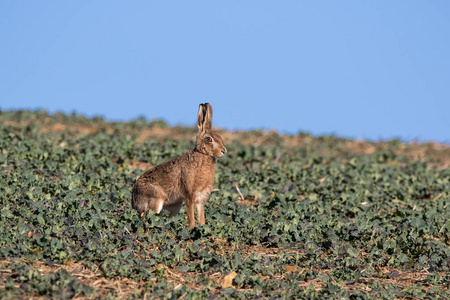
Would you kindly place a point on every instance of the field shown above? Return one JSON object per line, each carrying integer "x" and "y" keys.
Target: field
{"x": 290, "y": 217}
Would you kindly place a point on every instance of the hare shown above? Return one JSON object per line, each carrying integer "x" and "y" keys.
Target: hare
{"x": 188, "y": 177}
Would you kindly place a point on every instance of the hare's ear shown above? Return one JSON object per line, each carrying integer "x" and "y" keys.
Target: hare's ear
{"x": 201, "y": 117}
{"x": 208, "y": 117}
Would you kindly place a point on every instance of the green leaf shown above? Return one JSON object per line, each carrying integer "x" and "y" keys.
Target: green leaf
{"x": 40, "y": 219}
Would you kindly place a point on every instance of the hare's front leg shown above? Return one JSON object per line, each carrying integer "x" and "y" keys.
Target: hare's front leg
{"x": 200, "y": 212}
{"x": 190, "y": 212}
{"x": 200, "y": 200}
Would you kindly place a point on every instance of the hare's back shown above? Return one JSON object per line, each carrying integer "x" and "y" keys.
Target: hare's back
{"x": 172, "y": 170}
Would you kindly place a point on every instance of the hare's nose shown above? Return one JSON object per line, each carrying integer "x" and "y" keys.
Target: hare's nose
{"x": 224, "y": 150}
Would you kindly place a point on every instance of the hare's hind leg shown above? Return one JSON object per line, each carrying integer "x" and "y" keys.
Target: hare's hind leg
{"x": 146, "y": 197}
{"x": 143, "y": 204}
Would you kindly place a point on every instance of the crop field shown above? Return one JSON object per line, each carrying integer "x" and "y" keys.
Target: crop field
{"x": 291, "y": 216}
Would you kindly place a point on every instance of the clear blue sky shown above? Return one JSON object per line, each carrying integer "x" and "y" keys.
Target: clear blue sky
{"x": 359, "y": 69}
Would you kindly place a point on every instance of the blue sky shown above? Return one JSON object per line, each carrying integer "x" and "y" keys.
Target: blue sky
{"x": 359, "y": 69}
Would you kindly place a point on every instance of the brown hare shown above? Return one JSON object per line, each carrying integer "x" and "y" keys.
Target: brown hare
{"x": 188, "y": 177}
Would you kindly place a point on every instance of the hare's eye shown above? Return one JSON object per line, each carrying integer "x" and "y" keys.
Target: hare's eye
{"x": 208, "y": 139}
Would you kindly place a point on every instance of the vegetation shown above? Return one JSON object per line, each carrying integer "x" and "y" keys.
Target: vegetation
{"x": 291, "y": 217}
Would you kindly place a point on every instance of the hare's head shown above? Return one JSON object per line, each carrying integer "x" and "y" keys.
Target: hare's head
{"x": 208, "y": 142}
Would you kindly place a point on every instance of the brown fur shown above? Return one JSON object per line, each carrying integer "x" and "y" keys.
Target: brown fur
{"x": 188, "y": 177}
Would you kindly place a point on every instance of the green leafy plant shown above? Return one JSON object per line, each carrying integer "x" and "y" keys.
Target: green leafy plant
{"x": 292, "y": 216}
